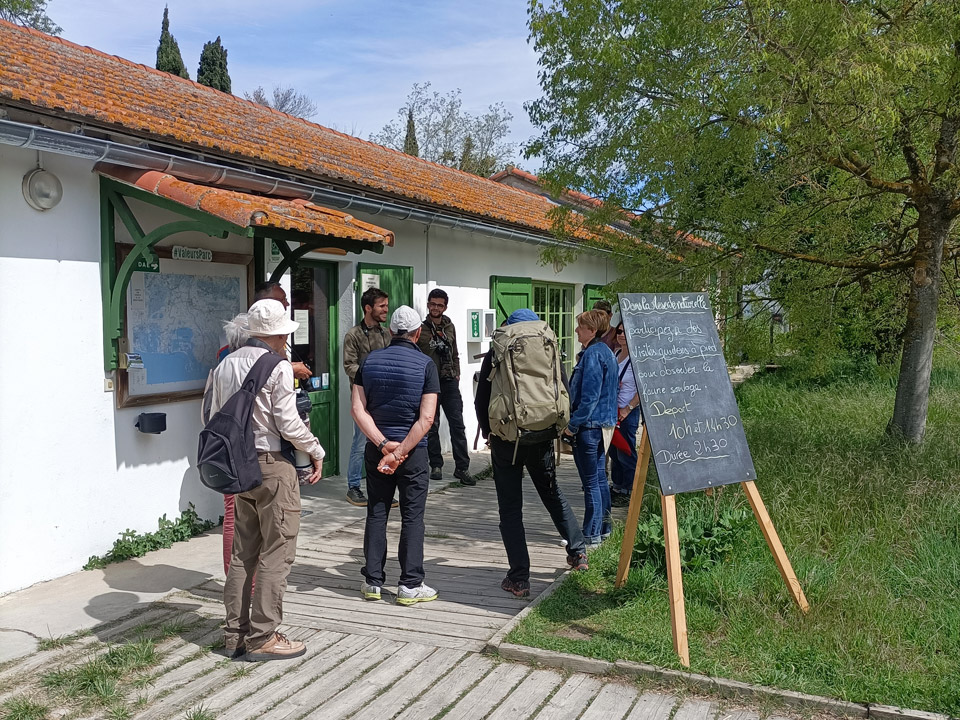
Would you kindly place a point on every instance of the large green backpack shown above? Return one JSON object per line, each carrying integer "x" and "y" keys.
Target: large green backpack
{"x": 528, "y": 401}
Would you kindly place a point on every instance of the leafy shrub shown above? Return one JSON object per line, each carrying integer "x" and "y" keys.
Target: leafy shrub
{"x": 132, "y": 544}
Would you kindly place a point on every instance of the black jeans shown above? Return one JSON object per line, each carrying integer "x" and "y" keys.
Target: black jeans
{"x": 452, "y": 405}
{"x": 540, "y": 463}
{"x": 412, "y": 479}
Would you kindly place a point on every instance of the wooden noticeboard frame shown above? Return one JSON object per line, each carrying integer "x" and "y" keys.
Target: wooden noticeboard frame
{"x": 692, "y": 341}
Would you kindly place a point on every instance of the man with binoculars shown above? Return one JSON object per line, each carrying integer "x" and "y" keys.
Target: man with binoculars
{"x": 438, "y": 340}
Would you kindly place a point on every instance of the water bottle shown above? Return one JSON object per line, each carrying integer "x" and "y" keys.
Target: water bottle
{"x": 301, "y": 460}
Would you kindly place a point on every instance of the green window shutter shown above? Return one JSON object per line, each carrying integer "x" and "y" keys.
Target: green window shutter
{"x": 395, "y": 280}
{"x": 508, "y": 294}
{"x": 591, "y": 293}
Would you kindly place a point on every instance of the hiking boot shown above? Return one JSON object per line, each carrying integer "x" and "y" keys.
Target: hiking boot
{"x": 395, "y": 503}
{"x": 465, "y": 478}
{"x": 356, "y": 497}
{"x": 278, "y": 647}
{"x": 233, "y": 646}
{"x": 411, "y": 596}
{"x": 520, "y": 588}
{"x": 619, "y": 499}
{"x": 578, "y": 562}
{"x": 436, "y": 474}
{"x": 370, "y": 592}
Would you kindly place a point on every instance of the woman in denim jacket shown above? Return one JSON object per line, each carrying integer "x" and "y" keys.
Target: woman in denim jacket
{"x": 593, "y": 407}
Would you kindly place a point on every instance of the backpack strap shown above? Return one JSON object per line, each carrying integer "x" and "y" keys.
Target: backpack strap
{"x": 261, "y": 371}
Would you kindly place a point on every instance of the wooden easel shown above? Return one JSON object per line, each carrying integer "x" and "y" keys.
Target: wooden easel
{"x": 678, "y": 613}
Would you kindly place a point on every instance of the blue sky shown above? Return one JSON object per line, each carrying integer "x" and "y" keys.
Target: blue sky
{"x": 356, "y": 59}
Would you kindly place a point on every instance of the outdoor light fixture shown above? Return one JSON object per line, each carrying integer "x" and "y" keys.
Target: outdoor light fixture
{"x": 41, "y": 188}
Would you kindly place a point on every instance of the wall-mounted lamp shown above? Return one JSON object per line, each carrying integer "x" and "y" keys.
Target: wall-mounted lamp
{"x": 42, "y": 189}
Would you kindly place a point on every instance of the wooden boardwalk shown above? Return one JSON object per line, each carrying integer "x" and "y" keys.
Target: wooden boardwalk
{"x": 375, "y": 660}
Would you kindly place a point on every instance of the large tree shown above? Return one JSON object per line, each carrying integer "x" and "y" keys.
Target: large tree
{"x": 285, "y": 99}
{"x": 168, "y": 51}
{"x": 213, "y": 66}
{"x": 445, "y": 133}
{"x": 821, "y": 133}
{"x": 29, "y": 13}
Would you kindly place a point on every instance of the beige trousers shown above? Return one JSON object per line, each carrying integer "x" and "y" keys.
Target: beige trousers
{"x": 264, "y": 544}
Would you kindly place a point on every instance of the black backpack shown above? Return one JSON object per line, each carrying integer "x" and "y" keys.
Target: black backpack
{"x": 227, "y": 456}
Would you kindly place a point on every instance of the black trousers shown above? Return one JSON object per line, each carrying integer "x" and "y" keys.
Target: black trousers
{"x": 412, "y": 480}
{"x": 538, "y": 459}
{"x": 452, "y": 405}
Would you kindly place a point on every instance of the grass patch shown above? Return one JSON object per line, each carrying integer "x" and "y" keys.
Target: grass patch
{"x": 99, "y": 679}
{"x": 872, "y": 530}
{"x": 23, "y": 708}
{"x": 199, "y": 713}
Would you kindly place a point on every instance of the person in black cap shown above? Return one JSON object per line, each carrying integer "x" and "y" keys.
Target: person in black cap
{"x": 509, "y": 460}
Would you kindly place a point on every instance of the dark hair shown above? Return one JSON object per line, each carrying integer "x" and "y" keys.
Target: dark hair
{"x": 370, "y": 297}
{"x": 438, "y": 293}
{"x": 603, "y": 305}
{"x": 265, "y": 289}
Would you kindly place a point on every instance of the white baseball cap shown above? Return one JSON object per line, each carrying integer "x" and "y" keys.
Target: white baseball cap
{"x": 266, "y": 318}
{"x": 404, "y": 319}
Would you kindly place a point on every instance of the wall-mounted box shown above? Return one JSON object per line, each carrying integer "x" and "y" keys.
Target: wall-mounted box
{"x": 480, "y": 325}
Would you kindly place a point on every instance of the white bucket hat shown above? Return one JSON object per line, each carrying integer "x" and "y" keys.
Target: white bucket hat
{"x": 266, "y": 318}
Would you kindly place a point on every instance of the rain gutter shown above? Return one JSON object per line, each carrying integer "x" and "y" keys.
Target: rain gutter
{"x": 211, "y": 173}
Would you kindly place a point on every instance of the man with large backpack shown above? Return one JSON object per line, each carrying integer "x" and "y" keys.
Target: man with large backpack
{"x": 522, "y": 406}
{"x": 267, "y": 517}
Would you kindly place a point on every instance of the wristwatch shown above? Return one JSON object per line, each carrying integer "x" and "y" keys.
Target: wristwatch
{"x": 382, "y": 443}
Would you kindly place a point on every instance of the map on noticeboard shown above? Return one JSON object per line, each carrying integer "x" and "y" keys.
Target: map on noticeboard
{"x": 691, "y": 414}
{"x": 175, "y": 320}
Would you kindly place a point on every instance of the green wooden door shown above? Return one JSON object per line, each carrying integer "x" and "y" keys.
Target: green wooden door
{"x": 313, "y": 303}
{"x": 592, "y": 293}
{"x": 508, "y": 294}
{"x": 395, "y": 280}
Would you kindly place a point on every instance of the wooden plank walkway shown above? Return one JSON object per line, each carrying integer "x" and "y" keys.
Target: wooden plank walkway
{"x": 377, "y": 659}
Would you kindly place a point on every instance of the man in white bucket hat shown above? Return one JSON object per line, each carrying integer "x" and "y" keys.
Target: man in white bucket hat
{"x": 268, "y": 517}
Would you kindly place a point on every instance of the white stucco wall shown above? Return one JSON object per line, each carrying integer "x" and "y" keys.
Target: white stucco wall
{"x": 75, "y": 472}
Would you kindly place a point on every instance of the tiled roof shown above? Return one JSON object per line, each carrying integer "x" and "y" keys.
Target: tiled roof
{"x": 245, "y": 210}
{"x": 61, "y": 78}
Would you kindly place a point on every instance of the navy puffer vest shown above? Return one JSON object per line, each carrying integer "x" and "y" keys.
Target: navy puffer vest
{"x": 393, "y": 383}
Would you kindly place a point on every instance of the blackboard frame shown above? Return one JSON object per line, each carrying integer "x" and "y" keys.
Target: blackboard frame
{"x": 691, "y": 415}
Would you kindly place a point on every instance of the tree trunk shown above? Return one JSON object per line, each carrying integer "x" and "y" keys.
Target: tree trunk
{"x": 913, "y": 384}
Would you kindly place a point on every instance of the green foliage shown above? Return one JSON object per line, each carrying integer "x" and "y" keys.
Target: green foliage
{"x": 707, "y": 535}
{"x": 872, "y": 530}
{"x": 439, "y": 129}
{"x": 813, "y": 144}
{"x": 132, "y": 544}
{"x": 199, "y": 713}
{"x": 29, "y": 13}
{"x": 213, "y": 66}
{"x": 23, "y": 708}
{"x": 168, "y": 51}
{"x": 410, "y": 146}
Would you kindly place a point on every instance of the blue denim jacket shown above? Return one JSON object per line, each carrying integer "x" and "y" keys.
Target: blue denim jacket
{"x": 593, "y": 388}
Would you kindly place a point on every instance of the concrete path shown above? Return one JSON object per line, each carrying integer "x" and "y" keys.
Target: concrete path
{"x": 364, "y": 659}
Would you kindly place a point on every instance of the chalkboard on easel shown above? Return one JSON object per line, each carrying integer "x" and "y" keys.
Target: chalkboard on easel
{"x": 690, "y": 413}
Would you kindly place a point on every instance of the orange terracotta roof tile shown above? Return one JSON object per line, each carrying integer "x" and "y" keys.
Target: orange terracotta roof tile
{"x": 58, "y": 77}
{"x": 246, "y": 210}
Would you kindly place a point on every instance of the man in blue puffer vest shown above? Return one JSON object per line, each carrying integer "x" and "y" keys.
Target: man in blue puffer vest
{"x": 394, "y": 403}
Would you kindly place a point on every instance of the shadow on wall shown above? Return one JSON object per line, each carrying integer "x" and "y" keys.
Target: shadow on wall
{"x": 167, "y": 461}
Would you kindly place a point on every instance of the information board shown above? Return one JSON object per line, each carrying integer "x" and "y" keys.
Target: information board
{"x": 691, "y": 415}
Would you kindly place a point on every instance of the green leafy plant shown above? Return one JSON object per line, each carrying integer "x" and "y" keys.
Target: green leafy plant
{"x": 132, "y": 544}
{"x": 706, "y": 537}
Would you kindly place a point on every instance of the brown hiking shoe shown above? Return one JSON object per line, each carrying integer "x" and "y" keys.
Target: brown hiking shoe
{"x": 277, "y": 648}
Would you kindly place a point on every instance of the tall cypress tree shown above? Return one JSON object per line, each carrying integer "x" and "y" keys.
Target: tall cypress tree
{"x": 410, "y": 146}
{"x": 168, "y": 52}
{"x": 213, "y": 66}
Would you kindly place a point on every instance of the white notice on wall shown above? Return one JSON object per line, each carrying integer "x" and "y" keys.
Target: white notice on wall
{"x": 369, "y": 280}
{"x": 302, "y": 334}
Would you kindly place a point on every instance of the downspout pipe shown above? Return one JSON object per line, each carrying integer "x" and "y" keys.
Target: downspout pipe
{"x": 211, "y": 173}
